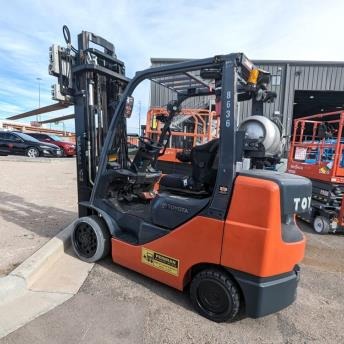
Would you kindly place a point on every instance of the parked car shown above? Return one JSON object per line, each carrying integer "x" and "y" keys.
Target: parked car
{"x": 68, "y": 148}
{"x": 17, "y": 143}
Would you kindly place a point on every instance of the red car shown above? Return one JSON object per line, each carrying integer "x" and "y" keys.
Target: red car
{"x": 68, "y": 148}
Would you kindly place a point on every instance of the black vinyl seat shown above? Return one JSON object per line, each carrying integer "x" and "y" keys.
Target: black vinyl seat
{"x": 204, "y": 160}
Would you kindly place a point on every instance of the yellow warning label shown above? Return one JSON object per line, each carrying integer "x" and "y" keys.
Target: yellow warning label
{"x": 160, "y": 261}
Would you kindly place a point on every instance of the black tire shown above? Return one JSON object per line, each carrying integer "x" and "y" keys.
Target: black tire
{"x": 90, "y": 239}
{"x": 214, "y": 295}
{"x": 321, "y": 225}
{"x": 32, "y": 152}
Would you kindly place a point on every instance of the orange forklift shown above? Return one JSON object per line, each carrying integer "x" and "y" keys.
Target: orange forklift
{"x": 225, "y": 232}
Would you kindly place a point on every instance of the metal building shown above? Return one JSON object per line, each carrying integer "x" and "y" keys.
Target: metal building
{"x": 302, "y": 87}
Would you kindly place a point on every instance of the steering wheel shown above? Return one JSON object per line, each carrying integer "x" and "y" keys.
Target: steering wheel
{"x": 149, "y": 144}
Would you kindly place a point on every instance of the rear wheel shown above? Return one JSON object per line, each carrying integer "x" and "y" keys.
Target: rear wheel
{"x": 214, "y": 295}
{"x": 321, "y": 225}
{"x": 90, "y": 239}
{"x": 32, "y": 152}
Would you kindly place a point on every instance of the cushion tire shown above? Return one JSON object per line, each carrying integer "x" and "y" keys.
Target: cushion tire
{"x": 90, "y": 238}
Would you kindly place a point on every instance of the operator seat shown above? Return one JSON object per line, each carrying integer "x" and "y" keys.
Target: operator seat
{"x": 204, "y": 161}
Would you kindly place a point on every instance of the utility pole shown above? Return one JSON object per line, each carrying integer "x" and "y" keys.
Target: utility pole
{"x": 39, "y": 97}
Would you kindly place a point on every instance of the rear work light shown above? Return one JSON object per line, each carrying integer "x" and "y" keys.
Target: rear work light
{"x": 253, "y": 76}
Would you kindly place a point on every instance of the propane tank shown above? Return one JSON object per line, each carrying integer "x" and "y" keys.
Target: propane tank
{"x": 265, "y": 131}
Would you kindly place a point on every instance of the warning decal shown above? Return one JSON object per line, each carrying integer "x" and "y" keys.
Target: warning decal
{"x": 160, "y": 261}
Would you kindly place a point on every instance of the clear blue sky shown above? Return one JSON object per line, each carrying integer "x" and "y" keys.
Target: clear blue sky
{"x": 308, "y": 30}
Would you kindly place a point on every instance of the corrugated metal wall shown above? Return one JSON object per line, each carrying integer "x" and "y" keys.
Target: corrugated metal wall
{"x": 289, "y": 76}
{"x": 160, "y": 95}
{"x": 311, "y": 77}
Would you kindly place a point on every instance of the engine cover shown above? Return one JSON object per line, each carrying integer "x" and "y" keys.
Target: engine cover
{"x": 170, "y": 211}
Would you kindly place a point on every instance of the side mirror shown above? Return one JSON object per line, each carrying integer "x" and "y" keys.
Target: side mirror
{"x": 129, "y": 105}
{"x": 47, "y": 139}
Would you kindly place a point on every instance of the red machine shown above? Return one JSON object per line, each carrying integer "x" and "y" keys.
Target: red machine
{"x": 316, "y": 152}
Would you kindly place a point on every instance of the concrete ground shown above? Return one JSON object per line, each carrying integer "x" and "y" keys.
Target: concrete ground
{"x": 116, "y": 305}
{"x": 38, "y": 198}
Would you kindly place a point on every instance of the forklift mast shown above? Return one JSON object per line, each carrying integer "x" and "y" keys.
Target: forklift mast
{"x": 92, "y": 79}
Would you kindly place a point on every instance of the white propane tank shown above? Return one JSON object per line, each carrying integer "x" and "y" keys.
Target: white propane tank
{"x": 263, "y": 129}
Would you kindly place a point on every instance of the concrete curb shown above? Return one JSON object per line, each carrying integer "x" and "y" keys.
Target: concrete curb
{"x": 22, "y": 278}
{"x": 36, "y": 265}
{"x": 48, "y": 278}
{"x": 11, "y": 287}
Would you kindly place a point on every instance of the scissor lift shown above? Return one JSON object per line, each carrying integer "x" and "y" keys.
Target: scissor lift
{"x": 190, "y": 128}
{"x": 316, "y": 152}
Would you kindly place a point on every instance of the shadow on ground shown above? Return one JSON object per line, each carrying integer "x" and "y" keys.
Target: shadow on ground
{"x": 42, "y": 220}
{"x": 170, "y": 294}
{"x": 158, "y": 288}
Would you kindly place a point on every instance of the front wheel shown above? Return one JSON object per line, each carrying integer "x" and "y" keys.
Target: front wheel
{"x": 215, "y": 296}
{"x": 32, "y": 152}
{"x": 63, "y": 153}
{"x": 90, "y": 239}
{"x": 321, "y": 225}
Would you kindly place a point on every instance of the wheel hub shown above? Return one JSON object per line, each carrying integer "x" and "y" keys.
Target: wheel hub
{"x": 318, "y": 225}
{"x": 213, "y": 297}
{"x": 86, "y": 240}
{"x": 32, "y": 153}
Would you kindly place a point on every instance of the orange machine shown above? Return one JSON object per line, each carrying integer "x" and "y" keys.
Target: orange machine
{"x": 223, "y": 230}
{"x": 190, "y": 128}
{"x": 316, "y": 152}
